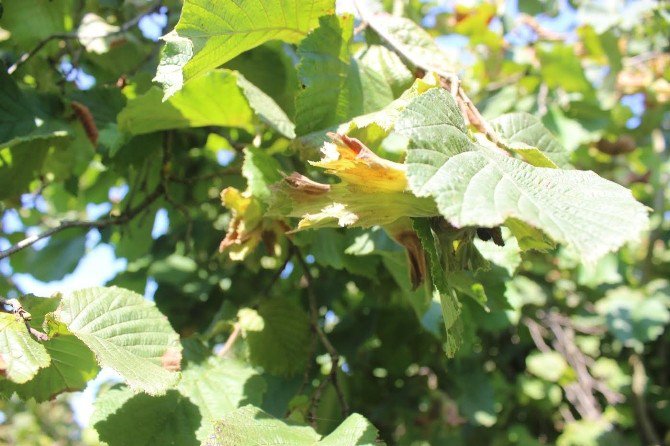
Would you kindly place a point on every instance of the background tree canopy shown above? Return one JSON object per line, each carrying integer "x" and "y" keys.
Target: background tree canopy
{"x": 299, "y": 222}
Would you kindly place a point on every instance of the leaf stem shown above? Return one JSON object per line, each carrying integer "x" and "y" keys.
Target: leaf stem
{"x": 230, "y": 342}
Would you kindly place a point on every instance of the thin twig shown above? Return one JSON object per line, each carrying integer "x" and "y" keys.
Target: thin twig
{"x": 315, "y": 399}
{"x": 314, "y": 320}
{"x": 535, "y": 331}
{"x": 75, "y": 36}
{"x": 280, "y": 270}
{"x": 86, "y": 224}
{"x": 210, "y": 176}
{"x": 580, "y": 393}
{"x": 638, "y": 384}
{"x": 165, "y": 175}
{"x": 18, "y": 311}
{"x": 230, "y": 342}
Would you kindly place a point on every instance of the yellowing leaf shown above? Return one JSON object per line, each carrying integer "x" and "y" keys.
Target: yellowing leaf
{"x": 355, "y": 164}
{"x": 373, "y": 191}
{"x": 247, "y": 227}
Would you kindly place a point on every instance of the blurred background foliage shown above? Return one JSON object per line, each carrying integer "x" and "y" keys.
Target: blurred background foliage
{"x": 561, "y": 353}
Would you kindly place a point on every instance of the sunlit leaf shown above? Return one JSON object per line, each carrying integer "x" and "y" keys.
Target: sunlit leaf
{"x": 211, "y": 32}
{"x": 127, "y": 333}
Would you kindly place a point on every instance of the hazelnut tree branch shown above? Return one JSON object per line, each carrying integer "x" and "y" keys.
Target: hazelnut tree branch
{"x": 330, "y": 349}
{"x": 126, "y": 26}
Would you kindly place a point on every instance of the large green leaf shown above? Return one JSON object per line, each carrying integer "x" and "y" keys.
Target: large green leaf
{"x": 476, "y": 185}
{"x": 193, "y": 107}
{"x": 212, "y": 32}
{"x": 220, "y": 386}
{"x": 278, "y": 336}
{"x": 337, "y": 86}
{"x": 249, "y": 426}
{"x": 72, "y": 363}
{"x": 21, "y": 356}
{"x": 127, "y": 333}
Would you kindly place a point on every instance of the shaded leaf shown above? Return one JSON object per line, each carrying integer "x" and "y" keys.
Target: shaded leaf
{"x": 278, "y": 336}
{"x": 170, "y": 419}
{"x": 220, "y": 386}
{"x": 249, "y": 426}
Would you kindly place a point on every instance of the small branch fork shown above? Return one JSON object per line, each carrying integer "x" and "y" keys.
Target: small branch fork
{"x": 74, "y": 36}
{"x": 19, "y": 311}
{"x": 582, "y": 392}
{"x": 125, "y": 217}
{"x": 323, "y": 339}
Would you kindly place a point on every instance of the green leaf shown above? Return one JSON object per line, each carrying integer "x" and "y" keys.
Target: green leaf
{"x": 561, "y": 68}
{"x": 17, "y": 116}
{"x": 30, "y": 21}
{"x": 260, "y": 170}
{"x": 278, "y": 335}
{"x": 25, "y": 161}
{"x": 451, "y": 307}
{"x": 23, "y": 121}
{"x": 127, "y": 333}
{"x": 534, "y": 7}
{"x": 21, "y": 356}
{"x": 170, "y": 419}
{"x": 633, "y": 317}
{"x": 337, "y": 87}
{"x": 526, "y": 135}
{"x": 411, "y": 41}
{"x": 58, "y": 258}
{"x": 271, "y": 68}
{"x": 354, "y": 431}
{"x": 215, "y": 386}
{"x": 212, "y": 32}
{"x": 193, "y": 107}
{"x": 476, "y": 185}
{"x": 266, "y": 108}
{"x": 250, "y": 426}
{"x": 385, "y": 62}
{"x": 550, "y": 366}
{"x": 72, "y": 363}
{"x": 108, "y": 401}
{"x": 218, "y": 387}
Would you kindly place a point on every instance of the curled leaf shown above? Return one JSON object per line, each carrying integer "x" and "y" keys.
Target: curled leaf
{"x": 373, "y": 190}
{"x": 247, "y": 227}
